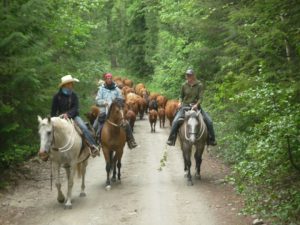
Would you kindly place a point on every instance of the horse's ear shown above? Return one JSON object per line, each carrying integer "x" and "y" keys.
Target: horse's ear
{"x": 39, "y": 119}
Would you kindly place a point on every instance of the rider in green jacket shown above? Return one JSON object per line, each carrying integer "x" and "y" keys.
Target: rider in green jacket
{"x": 191, "y": 95}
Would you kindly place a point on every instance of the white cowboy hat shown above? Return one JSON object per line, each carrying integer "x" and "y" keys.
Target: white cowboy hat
{"x": 67, "y": 79}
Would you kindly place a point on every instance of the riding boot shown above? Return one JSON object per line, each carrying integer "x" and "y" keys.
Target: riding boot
{"x": 129, "y": 136}
{"x": 98, "y": 125}
{"x": 173, "y": 135}
{"x": 175, "y": 126}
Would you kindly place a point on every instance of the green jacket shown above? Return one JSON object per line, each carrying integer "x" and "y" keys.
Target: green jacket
{"x": 191, "y": 94}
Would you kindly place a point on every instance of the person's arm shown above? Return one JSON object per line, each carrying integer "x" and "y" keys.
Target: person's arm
{"x": 181, "y": 96}
{"x": 119, "y": 93}
{"x": 100, "y": 101}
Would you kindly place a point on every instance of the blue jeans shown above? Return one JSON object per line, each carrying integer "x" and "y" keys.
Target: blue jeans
{"x": 86, "y": 133}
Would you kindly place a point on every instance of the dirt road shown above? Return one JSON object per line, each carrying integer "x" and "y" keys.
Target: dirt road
{"x": 144, "y": 196}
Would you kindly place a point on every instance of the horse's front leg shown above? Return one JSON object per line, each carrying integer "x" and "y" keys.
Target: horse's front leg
{"x": 83, "y": 172}
{"x": 198, "y": 160}
{"x": 56, "y": 172}
{"x": 188, "y": 163}
{"x": 108, "y": 168}
{"x": 119, "y": 158}
{"x": 70, "y": 176}
{"x": 113, "y": 179}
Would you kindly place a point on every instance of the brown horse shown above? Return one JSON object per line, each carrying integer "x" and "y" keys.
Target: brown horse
{"x": 113, "y": 139}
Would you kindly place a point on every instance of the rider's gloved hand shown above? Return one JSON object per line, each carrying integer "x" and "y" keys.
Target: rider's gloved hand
{"x": 64, "y": 116}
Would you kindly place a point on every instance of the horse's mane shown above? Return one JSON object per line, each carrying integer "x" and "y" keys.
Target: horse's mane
{"x": 60, "y": 123}
{"x": 117, "y": 101}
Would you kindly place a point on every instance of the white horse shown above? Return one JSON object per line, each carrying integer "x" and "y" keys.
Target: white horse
{"x": 63, "y": 144}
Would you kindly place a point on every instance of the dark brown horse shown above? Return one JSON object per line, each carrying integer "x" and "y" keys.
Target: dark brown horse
{"x": 113, "y": 139}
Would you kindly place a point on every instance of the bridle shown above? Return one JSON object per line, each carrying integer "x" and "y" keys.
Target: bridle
{"x": 202, "y": 130}
{"x": 122, "y": 120}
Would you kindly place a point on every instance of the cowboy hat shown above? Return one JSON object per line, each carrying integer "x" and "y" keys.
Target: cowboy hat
{"x": 189, "y": 72}
{"x": 67, "y": 79}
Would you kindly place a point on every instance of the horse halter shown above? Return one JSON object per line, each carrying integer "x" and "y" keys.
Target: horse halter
{"x": 122, "y": 119}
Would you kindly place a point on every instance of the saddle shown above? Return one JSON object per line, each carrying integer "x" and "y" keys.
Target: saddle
{"x": 84, "y": 151}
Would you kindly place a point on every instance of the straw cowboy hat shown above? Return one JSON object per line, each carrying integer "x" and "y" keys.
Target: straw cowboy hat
{"x": 67, "y": 79}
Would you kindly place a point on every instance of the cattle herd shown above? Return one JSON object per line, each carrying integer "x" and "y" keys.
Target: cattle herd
{"x": 138, "y": 102}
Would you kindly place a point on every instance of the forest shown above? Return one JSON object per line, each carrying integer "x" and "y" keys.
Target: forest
{"x": 246, "y": 52}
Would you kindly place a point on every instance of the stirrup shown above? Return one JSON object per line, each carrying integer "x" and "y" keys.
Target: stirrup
{"x": 95, "y": 151}
{"x": 171, "y": 142}
{"x": 132, "y": 144}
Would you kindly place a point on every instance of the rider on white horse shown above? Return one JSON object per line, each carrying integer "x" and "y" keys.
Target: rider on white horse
{"x": 65, "y": 104}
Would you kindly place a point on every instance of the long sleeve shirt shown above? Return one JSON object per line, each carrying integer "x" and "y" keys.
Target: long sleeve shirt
{"x": 191, "y": 94}
{"x": 62, "y": 103}
{"x": 106, "y": 95}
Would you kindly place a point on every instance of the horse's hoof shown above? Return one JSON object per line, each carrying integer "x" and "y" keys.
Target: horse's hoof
{"x": 198, "y": 176}
{"x": 61, "y": 200}
{"x": 108, "y": 187}
{"x": 190, "y": 183}
{"x": 82, "y": 194}
{"x": 68, "y": 206}
{"x": 113, "y": 179}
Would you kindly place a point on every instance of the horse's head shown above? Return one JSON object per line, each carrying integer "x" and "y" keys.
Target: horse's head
{"x": 116, "y": 111}
{"x": 46, "y": 137}
{"x": 192, "y": 124}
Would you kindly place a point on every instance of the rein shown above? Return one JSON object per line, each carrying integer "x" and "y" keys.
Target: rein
{"x": 114, "y": 124}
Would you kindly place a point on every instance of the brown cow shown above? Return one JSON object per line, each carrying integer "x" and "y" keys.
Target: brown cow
{"x": 92, "y": 115}
{"x": 127, "y": 82}
{"x": 126, "y": 90}
{"x": 162, "y": 117}
{"x": 153, "y": 96}
{"x": 171, "y": 109}
{"x": 138, "y": 88}
{"x": 161, "y": 101}
{"x": 119, "y": 84}
{"x": 136, "y": 103}
{"x": 130, "y": 117}
{"x": 152, "y": 119}
{"x": 142, "y": 103}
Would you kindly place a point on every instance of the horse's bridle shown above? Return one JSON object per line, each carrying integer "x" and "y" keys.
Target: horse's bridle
{"x": 201, "y": 128}
{"x": 117, "y": 125}
{"x": 114, "y": 124}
